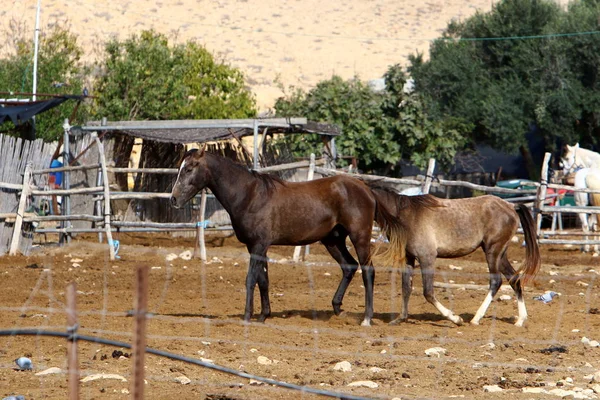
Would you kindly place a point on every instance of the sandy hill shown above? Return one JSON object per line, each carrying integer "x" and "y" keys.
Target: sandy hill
{"x": 293, "y": 42}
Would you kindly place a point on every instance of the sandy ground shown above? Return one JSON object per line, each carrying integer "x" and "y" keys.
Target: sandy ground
{"x": 289, "y": 42}
{"x": 198, "y": 307}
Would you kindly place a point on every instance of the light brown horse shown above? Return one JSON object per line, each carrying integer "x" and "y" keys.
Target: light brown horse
{"x": 266, "y": 210}
{"x": 430, "y": 227}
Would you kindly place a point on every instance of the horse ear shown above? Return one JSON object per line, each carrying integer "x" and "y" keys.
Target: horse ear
{"x": 576, "y": 145}
{"x": 203, "y": 149}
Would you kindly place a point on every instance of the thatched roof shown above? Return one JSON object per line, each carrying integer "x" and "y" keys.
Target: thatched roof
{"x": 200, "y": 131}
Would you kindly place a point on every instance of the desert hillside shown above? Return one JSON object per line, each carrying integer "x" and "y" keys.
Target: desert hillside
{"x": 275, "y": 42}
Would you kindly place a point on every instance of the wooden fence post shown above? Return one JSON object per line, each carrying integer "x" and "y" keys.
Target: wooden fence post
{"x": 16, "y": 236}
{"x": 72, "y": 358}
{"x": 309, "y": 177}
{"x": 541, "y": 193}
{"x": 109, "y": 239}
{"x": 139, "y": 338}
{"x": 200, "y": 245}
{"x": 429, "y": 176}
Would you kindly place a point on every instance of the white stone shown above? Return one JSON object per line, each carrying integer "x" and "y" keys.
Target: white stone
{"x": 596, "y": 377}
{"x": 553, "y": 273}
{"x": 376, "y": 370}
{"x": 184, "y": 380}
{"x": 454, "y": 267}
{"x": 49, "y": 371}
{"x": 263, "y": 360}
{"x": 582, "y": 284}
{"x": 596, "y": 388}
{"x": 156, "y": 268}
{"x": 533, "y": 390}
{"x": 125, "y": 391}
{"x": 253, "y": 351}
{"x": 505, "y": 297}
{"x": 254, "y": 382}
{"x": 521, "y": 360}
{"x": 94, "y": 377}
{"x": 76, "y": 260}
{"x": 171, "y": 256}
{"x": 186, "y": 255}
{"x": 368, "y": 384}
{"x": 383, "y": 351}
{"x": 207, "y": 360}
{"x": 585, "y": 340}
{"x": 552, "y": 281}
{"x": 205, "y": 343}
{"x": 435, "y": 351}
{"x": 327, "y": 274}
{"x": 343, "y": 366}
{"x": 594, "y": 343}
{"x": 76, "y": 265}
{"x": 575, "y": 330}
{"x": 492, "y": 388}
{"x": 489, "y": 346}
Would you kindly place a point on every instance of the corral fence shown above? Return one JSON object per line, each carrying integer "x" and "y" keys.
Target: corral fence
{"x": 87, "y": 193}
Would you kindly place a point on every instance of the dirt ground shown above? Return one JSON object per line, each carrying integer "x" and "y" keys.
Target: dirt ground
{"x": 197, "y": 310}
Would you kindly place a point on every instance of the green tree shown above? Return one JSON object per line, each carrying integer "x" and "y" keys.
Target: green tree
{"x": 506, "y": 73}
{"x": 146, "y": 78}
{"x": 379, "y": 129}
{"x": 59, "y": 62}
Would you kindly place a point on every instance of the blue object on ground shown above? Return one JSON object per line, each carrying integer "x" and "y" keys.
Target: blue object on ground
{"x": 24, "y": 363}
{"x": 57, "y": 175}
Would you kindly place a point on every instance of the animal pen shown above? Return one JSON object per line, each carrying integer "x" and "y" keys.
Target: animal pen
{"x": 85, "y": 190}
{"x": 91, "y": 183}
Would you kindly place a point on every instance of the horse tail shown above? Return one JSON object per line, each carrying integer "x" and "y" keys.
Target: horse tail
{"x": 395, "y": 254}
{"x": 532, "y": 252}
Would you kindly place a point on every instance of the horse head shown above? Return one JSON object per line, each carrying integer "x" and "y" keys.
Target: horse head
{"x": 569, "y": 161}
{"x": 193, "y": 176}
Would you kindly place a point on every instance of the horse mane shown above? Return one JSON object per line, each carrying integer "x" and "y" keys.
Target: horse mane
{"x": 270, "y": 181}
{"x": 408, "y": 202}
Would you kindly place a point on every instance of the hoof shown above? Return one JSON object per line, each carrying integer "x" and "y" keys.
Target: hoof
{"x": 519, "y": 324}
{"x": 366, "y": 322}
{"x": 457, "y": 320}
{"x": 337, "y": 309}
{"x": 473, "y": 322}
{"x": 398, "y": 321}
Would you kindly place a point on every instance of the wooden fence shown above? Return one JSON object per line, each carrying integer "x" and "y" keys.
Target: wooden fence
{"x": 15, "y": 155}
{"x": 100, "y": 219}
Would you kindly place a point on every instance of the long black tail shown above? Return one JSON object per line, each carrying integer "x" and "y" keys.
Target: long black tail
{"x": 533, "y": 260}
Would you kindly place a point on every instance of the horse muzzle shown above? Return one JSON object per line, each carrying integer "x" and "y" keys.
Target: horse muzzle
{"x": 174, "y": 202}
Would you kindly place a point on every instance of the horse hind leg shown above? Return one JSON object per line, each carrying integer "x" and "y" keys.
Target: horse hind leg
{"x": 427, "y": 270}
{"x": 495, "y": 283}
{"x": 509, "y": 272}
{"x": 257, "y": 273}
{"x": 336, "y": 246}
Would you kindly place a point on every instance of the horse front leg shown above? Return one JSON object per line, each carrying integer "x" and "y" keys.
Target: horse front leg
{"x": 257, "y": 273}
{"x": 583, "y": 217}
{"x": 427, "y": 275}
{"x": 407, "y": 287}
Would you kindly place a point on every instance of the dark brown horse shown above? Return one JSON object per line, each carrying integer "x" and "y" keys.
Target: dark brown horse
{"x": 430, "y": 227}
{"x": 267, "y": 211}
